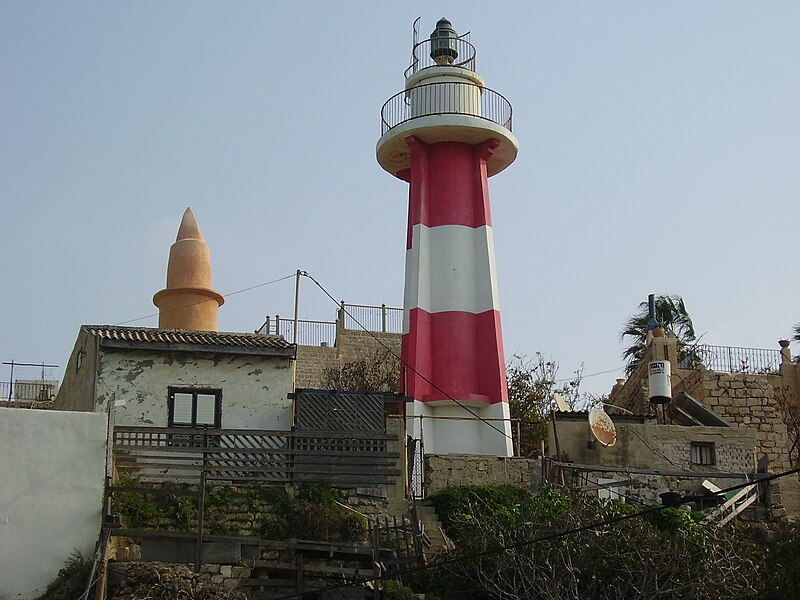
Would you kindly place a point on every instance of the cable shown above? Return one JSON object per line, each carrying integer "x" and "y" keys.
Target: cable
{"x": 617, "y": 370}
{"x": 544, "y": 538}
{"x": 405, "y": 364}
{"x": 247, "y": 289}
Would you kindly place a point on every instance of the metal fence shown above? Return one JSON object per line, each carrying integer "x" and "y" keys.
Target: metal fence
{"x": 309, "y": 333}
{"x": 383, "y": 319}
{"x": 447, "y": 97}
{"x": 732, "y": 359}
{"x": 27, "y": 391}
{"x": 355, "y": 317}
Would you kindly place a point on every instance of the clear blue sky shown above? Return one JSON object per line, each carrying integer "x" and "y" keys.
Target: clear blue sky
{"x": 659, "y": 153}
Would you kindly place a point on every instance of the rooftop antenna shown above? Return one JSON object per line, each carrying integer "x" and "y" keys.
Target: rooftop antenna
{"x": 602, "y": 427}
{"x": 652, "y": 322}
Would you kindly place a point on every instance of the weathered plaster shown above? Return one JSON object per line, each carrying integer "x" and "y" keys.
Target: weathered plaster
{"x": 254, "y": 389}
{"x": 77, "y": 389}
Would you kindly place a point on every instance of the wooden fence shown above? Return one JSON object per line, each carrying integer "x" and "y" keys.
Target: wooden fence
{"x": 345, "y": 459}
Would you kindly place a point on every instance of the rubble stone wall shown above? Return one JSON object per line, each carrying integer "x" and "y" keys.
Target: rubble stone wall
{"x": 447, "y": 470}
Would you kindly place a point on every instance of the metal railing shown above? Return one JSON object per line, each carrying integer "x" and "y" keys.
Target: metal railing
{"x": 731, "y": 359}
{"x": 309, "y": 333}
{"x": 446, "y": 97}
{"x": 421, "y": 56}
{"x": 27, "y": 392}
{"x": 378, "y": 319}
{"x": 354, "y": 317}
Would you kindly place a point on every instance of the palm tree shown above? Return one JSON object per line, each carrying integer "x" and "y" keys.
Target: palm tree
{"x": 796, "y": 337}
{"x": 672, "y": 315}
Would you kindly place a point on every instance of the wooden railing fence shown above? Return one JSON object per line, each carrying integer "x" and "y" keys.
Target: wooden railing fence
{"x": 345, "y": 459}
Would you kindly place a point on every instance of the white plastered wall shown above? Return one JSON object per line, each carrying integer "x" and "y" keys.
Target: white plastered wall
{"x": 51, "y": 493}
{"x": 447, "y": 428}
{"x": 254, "y": 388}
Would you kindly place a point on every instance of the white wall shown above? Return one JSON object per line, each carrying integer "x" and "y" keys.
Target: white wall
{"x": 52, "y": 468}
{"x": 254, "y": 388}
{"x": 447, "y": 428}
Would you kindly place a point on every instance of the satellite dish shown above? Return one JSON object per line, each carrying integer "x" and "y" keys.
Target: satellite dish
{"x": 561, "y": 403}
{"x": 602, "y": 427}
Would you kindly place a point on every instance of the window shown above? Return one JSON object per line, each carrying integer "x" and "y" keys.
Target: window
{"x": 703, "y": 453}
{"x": 190, "y": 407}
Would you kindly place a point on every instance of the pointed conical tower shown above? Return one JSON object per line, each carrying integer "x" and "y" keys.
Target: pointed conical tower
{"x": 188, "y": 301}
{"x": 445, "y": 134}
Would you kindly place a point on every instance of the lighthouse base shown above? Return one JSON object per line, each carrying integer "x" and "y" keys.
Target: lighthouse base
{"x": 447, "y": 428}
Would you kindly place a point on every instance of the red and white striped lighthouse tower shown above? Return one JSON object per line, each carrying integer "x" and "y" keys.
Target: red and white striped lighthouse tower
{"x": 446, "y": 134}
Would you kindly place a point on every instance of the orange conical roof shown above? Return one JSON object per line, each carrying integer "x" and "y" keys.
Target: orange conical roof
{"x": 189, "y": 230}
{"x": 188, "y": 301}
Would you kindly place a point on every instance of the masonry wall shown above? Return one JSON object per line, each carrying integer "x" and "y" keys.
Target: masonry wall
{"x": 312, "y": 361}
{"x": 254, "y": 388}
{"x": 311, "y": 364}
{"x": 77, "y": 390}
{"x": 447, "y": 470}
{"x": 749, "y": 401}
{"x": 654, "y": 447}
{"x": 52, "y": 474}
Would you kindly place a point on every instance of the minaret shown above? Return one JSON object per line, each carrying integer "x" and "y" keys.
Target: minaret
{"x": 188, "y": 301}
{"x": 445, "y": 134}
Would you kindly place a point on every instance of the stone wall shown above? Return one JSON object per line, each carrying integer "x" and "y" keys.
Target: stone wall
{"x": 664, "y": 451}
{"x": 447, "y": 470}
{"x": 748, "y": 401}
{"x": 350, "y": 346}
{"x": 311, "y": 362}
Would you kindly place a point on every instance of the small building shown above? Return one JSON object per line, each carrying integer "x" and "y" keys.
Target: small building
{"x": 184, "y": 373}
{"x": 181, "y": 378}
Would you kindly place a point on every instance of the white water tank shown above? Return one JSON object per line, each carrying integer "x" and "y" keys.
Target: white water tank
{"x": 660, "y": 389}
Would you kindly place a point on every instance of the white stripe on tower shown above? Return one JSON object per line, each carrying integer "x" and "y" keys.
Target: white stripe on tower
{"x": 457, "y": 272}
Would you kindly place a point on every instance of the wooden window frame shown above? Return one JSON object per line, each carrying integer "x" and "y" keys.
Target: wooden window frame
{"x": 698, "y": 449}
{"x": 194, "y": 391}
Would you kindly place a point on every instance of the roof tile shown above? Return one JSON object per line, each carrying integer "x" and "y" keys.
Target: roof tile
{"x": 147, "y": 335}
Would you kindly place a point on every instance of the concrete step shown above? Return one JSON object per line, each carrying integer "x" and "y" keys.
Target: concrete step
{"x": 432, "y": 528}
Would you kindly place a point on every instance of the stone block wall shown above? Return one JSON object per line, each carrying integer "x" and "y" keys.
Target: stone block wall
{"x": 350, "y": 346}
{"x": 311, "y": 363}
{"x": 748, "y": 401}
{"x": 447, "y": 470}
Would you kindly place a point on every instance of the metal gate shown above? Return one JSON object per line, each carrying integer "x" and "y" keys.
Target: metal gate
{"x": 416, "y": 476}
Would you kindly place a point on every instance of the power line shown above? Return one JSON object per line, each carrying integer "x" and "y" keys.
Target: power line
{"x": 544, "y": 538}
{"x": 405, "y": 364}
{"x": 243, "y": 290}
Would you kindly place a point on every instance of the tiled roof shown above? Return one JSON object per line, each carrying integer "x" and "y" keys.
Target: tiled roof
{"x": 147, "y": 336}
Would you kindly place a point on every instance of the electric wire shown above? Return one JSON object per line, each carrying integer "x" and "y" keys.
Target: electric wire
{"x": 528, "y": 542}
{"x": 405, "y": 364}
{"x": 617, "y": 370}
{"x": 226, "y": 296}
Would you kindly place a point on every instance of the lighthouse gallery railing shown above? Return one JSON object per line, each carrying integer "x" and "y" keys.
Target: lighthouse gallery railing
{"x": 445, "y": 98}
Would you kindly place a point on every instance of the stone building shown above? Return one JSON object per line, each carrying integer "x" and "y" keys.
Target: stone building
{"x": 756, "y": 400}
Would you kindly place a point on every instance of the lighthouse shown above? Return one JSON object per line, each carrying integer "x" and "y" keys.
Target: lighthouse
{"x": 445, "y": 134}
